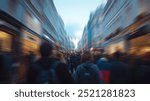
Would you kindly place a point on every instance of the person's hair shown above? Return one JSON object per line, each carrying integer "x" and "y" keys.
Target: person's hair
{"x": 86, "y": 56}
{"x": 117, "y": 55}
{"x": 46, "y": 49}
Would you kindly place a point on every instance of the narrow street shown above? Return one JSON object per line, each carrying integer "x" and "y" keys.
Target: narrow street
{"x": 74, "y": 42}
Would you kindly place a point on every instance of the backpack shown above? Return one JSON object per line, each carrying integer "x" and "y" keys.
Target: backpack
{"x": 105, "y": 74}
{"x": 48, "y": 76}
{"x": 88, "y": 75}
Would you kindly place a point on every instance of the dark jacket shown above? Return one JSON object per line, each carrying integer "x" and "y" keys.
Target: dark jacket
{"x": 61, "y": 71}
{"x": 82, "y": 77}
{"x": 119, "y": 73}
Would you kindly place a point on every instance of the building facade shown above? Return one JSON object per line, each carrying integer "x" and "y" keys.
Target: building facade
{"x": 92, "y": 31}
{"x": 96, "y": 29}
{"x": 118, "y": 26}
{"x": 120, "y": 22}
{"x": 24, "y": 24}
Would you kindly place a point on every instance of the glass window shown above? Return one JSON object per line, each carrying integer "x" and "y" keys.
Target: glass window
{"x": 5, "y": 41}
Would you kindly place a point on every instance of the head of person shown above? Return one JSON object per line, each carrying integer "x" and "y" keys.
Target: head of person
{"x": 86, "y": 56}
{"x": 46, "y": 49}
{"x": 96, "y": 55}
{"x": 56, "y": 54}
{"x": 117, "y": 55}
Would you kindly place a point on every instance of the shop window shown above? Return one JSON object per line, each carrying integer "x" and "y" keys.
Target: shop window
{"x": 5, "y": 42}
{"x": 30, "y": 43}
{"x": 142, "y": 44}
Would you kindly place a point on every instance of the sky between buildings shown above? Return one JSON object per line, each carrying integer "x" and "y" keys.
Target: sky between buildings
{"x": 75, "y": 14}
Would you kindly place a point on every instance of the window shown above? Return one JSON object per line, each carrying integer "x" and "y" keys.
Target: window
{"x": 5, "y": 41}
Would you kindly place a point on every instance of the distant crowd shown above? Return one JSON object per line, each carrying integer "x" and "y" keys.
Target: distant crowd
{"x": 55, "y": 67}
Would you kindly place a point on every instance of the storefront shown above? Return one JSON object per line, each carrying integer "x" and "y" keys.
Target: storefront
{"x": 117, "y": 43}
{"x": 139, "y": 42}
{"x": 9, "y": 34}
{"x": 5, "y": 42}
{"x": 119, "y": 46}
{"x": 140, "y": 45}
{"x": 30, "y": 43}
{"x": 31, "y": 34}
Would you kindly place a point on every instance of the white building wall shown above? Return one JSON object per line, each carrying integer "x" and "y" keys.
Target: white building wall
{"x": 29, "y": 12}
{"x": 120, "y": 14}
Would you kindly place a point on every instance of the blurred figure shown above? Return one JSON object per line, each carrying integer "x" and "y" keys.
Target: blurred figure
{"x": 24, "y": 63}
{"x": 119, "y": 71}
{"x": 74, "y": 62}
{"x": 4, "y": 75}
{"x": 49, "y": 68}
{"x": 58, "y": 55}
{"x": 87, "y": 72}
{"x": 31, "y": 57}
{"x": 14, "y": 69}
{"x": 96, "y": 55}
{"x": 104, "y": 67}
{"x": 143, "y": 71}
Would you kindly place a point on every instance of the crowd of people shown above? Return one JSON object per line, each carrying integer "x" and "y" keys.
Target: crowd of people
{"x": 55, "y": 67}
